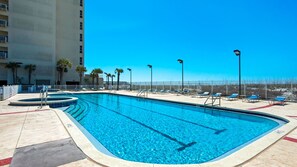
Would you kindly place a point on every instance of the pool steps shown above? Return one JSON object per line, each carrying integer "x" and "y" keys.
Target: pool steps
{"x": 78, "y": 111}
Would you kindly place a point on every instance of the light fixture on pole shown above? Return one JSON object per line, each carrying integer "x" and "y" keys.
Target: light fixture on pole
{"x": 151, "y": 67}
{"x": 182, "y": 62}
{"x": 129, "y": 69}
{"x": 237, "y": 53}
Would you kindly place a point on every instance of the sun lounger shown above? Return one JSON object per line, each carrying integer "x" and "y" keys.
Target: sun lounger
{"x": 234, "y": 96}
{"x": 205, "y": 94}
{"x": 278, "y": 100}
{"x": 155, "y": 91}
{"x": 217, "y": 95}
{"x": 186, "y": 91}
{"x": 253, "y": 98}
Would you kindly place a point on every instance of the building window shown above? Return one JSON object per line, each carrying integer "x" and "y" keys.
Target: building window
{"x": 80, "y": 61}
{"x": 80, "y": 49}
{"x": 3, "y": 38}
{"x": 81, "y": 2}
{"x": 80, "y": 13}
{"x": 3, "y": 23}
{"x": 3, "y": 54}
{"x": 80, "y": 37}
{"x": 81, "y": 26}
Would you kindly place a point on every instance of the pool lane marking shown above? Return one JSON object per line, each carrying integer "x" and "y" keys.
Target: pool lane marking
{"x": 270, "y": 105}
{"x": 290, "y": 139}
{"x": 21, "y": 112}
{"x": 217, "y": 131}
{"x": 184, "y": 146}
{"x": 5, "y": 161}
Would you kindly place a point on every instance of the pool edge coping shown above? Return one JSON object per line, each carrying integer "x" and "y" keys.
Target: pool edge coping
{"x": 37, "y": 103}
{"x": 234, "y": 159}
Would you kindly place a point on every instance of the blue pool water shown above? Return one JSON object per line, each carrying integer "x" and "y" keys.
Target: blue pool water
{"x": 153, "y": 131}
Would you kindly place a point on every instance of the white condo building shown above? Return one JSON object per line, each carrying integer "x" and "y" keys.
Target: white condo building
{"x": 40, "y": 32}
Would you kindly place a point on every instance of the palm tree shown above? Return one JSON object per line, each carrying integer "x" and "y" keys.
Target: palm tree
{"x": 62, "y": 66}
{"x": 80, "y": 70}
{"x": 97, "y": 71}
{"x": 13, "y": 66}
{"x": 93, "y": 76}
{"x": 108, "y": 75}
{"x": 30, "y": 68}
{"x": 112, "y": 76}
{"x": 118, "y": 71}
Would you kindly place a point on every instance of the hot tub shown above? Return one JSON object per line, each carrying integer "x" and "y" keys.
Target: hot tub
{"x": 53, "y": 102}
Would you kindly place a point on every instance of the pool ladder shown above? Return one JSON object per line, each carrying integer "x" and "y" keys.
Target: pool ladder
{"x": 143, "y": 93}
{"x": 43, "y": 96}
{"x": 213, "y": 100}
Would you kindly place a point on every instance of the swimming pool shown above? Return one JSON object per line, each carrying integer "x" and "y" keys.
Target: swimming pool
{"x": 154, "y": 131}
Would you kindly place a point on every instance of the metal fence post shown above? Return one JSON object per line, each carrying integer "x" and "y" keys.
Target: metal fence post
{"x": 227, "y": 88}
{"x": 266, "y": 91}
{"x": 211, "y": 87}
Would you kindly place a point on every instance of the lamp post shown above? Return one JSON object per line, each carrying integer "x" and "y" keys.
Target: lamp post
{"x": 182, "y": 62}
{"x": 151, "y": 67}
{"x": 237, "y": 53}
{"x": 129, "y": 69}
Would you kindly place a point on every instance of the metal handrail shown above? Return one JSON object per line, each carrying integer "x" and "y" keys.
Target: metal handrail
{"x": 139, "y": 93}
{"x": 144, "y": 92}
{"x": 43, "y": 96}
{"x": 213, "y": 100}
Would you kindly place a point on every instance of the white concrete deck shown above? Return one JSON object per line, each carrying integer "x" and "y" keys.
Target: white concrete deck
{"x": 25, "y": 126}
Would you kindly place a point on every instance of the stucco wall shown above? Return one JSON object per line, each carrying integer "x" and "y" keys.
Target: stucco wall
{"x": 41, "y": 32}
{"x": 68, "y": 32}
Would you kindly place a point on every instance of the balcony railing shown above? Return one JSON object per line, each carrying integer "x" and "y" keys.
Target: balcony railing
{"x": 3, "y": 54}
{"x": 3, "y": 39}
{"x": 3, "y": 7}
{"x": 3, "y": 23}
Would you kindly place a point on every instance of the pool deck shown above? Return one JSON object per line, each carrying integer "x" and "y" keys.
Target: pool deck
{"x": 24, "y": 128}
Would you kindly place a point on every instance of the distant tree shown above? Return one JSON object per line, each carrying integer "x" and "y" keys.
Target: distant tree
{"x": 108, "y": 75}
{"x": 80, "y": 70}
{"x": 14, "y": 66}
{"x": 87, "y": 81}
{"x": 112, "y": 76}
{"x": 118, "y": 71}
{"x": 93, "y": 76}
{"x": 97, "y": 71}
{"x": 30, "y": 68}
{"x": 62, "y": 66}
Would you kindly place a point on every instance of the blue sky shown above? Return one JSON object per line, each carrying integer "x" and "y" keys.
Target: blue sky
{"x": 204, "y": 33}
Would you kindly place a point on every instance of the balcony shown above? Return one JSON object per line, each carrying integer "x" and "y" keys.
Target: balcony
{"x": 3, "y": 54}
{"x": 3, "y": 41}
{"x": 3, "y": 38}
{"x": 3, "y": 23}
{"x": 3, "y": 9}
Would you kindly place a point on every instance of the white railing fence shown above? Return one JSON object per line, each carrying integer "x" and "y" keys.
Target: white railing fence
{"x": 9, "y": 91}
{"x": 266, "y": 89}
